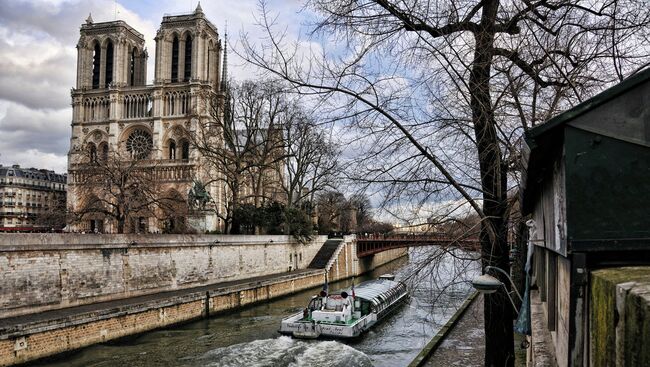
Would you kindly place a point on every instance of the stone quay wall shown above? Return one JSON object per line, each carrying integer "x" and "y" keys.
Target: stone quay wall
{"x": 49, "y": 271}
{"x": 96, "y": 288}
{"x": 45, "y": 337}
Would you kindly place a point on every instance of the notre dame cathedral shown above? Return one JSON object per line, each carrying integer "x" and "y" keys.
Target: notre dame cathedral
{"x": 115, "y": 111}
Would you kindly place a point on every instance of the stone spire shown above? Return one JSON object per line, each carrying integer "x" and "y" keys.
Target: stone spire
{"x": 89, "y": 20}
{"x": 198, "y": 9}
{"x": 224, "y": 77}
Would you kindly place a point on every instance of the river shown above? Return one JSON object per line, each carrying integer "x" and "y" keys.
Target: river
{"x": 249, "y": 337}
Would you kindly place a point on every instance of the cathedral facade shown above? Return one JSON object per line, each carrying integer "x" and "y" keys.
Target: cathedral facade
{"x": 116, "y": 114}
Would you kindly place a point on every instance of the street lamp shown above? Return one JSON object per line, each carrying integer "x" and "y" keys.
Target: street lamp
{"x": 487, "y": 284}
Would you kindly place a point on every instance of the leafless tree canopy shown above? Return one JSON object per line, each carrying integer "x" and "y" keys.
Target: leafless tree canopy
{"x": 122, "y": 190}
{"x": 311, "y": 159}
{"x": 263, "y": 146}
{"x": 439, "y": 93}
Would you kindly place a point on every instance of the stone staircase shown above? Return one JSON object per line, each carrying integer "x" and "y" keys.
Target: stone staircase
{"x": 325, "y": 254}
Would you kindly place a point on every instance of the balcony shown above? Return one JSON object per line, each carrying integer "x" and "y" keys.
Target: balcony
{"x": 173, "y": 170}
{"x": 164, "y": 170}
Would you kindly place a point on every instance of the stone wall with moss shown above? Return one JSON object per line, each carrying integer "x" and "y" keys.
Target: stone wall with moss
{"x": 620, "y": 317}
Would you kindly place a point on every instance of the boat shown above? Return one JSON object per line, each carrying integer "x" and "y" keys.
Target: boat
{"x": 348, "y": 313}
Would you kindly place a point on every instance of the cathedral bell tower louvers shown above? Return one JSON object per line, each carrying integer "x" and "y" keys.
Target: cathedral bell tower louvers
{"x": 117, "y": 114}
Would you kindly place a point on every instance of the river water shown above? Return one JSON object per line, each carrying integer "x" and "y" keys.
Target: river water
{"x": 249, "y": 337}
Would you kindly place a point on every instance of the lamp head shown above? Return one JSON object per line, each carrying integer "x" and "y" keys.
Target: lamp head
{"x": 486, "y": 284}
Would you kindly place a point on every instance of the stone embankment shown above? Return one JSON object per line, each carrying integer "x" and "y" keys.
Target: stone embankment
{"x": 64, "y": 292}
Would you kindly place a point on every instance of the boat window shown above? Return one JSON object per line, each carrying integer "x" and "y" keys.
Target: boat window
{"x": 365, "y": 307}
{"x": 316, "y": 303}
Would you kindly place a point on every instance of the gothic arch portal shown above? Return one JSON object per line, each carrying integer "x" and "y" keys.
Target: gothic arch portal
{"x": 173, "y": 212}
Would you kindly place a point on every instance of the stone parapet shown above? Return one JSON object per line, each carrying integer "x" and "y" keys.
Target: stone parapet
{"x": 620, "y": 317}
{"x": 43, "y": 272}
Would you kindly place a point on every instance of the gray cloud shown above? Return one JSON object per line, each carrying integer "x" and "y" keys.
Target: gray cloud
{"x": 38, "y": 63}
{"x": 45, "y": 131}
{"x": 41, "y": 84}
{"x": 57, "y": 21}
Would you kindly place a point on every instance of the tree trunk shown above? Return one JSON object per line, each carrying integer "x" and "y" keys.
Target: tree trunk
{"x": 499, "y": 350}
{"x": 235, "y": 225}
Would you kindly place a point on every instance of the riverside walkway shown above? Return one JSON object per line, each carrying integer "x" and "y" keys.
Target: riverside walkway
{"x": 460, "y": 342}
{"x": 464, "y": 345}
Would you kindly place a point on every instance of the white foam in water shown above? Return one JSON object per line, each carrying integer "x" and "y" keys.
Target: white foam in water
{"x": 330, "y": 353}
{"x": 285, "y": 351}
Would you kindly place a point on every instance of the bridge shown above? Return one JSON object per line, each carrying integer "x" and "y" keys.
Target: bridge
{"x": 371, "y": 244}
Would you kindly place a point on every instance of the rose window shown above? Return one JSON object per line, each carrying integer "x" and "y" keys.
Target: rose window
{"x": 139, "y": 144}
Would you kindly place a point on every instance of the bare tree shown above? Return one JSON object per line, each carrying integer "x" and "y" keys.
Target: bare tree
{"x": 242, "y": 143}
{"x": 122, "y": 190}
{"x": 311, "y": 163}
{"x": 54, "y": 217}
{"x": 331, "y": 207}
{"x": 441, "y": 92}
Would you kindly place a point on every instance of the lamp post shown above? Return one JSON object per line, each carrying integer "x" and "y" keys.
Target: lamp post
{"x": 487, "y": 284}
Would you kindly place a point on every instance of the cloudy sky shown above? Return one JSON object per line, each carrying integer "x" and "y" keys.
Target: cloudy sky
{"x": 38, "y": 61}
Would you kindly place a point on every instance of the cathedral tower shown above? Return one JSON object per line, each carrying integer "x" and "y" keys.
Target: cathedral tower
{"x": 110, "y": 53}
{"x": 187, "y": 49}
{"x": 116, "y": 113}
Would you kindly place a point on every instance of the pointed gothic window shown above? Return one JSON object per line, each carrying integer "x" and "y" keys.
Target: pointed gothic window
{"x": 175, "y": 60}
{"x": 93, "y": 152}
{"x": 97, "y": 52}
{"x": 185, "y": 150}
{"x": 188, "y": 58}
{"x": 104, "y": 152}
{"x": 172, "y": 150}
{"x": 208, "y": 63}
{"x": 132, "y": 68}
{"x": 109, "y": 63}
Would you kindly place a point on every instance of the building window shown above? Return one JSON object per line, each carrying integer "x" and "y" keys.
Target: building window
{"x": 92, "y": 151}
{"x": 142, "y": 225}
{"x": 104, "y": 152}
{"x": 109, "y": 63}
{"x": 172, "y": 150}
{"x": 175, "y": 60}
{"x": 185, "y": 150}
{"x": 96, "y": 226}
{"x": 96, "y": 60}
{"x": 188, "y": 58}
{"x": 139, "y": 144}
{"x": 132, "y": 68}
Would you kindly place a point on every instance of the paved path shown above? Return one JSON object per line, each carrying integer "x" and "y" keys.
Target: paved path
{"x": 464, "y": 345}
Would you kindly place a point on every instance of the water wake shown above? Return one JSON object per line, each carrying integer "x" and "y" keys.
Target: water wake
{"x": 285, "y": 351}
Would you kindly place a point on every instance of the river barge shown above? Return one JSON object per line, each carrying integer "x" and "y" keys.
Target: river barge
{"x": 346, "y": 314}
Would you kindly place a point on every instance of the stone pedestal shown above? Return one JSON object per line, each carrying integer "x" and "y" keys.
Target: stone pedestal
{"x": 202, "y": 221}
{"x": 197, "y": 221}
